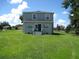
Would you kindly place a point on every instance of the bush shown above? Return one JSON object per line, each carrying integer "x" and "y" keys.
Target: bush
{"x": 68, "y": 29}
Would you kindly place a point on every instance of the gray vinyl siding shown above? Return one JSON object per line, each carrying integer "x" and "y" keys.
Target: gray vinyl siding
{"x": 27, "y": 17}
{"x": 51, "y": 16}
{"x": 39, "y": 17}
{"x": 47, "y": 29}
{"x": 28, "y": 27}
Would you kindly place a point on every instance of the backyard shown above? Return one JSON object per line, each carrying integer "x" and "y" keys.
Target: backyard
{"x": 15, "y": 44}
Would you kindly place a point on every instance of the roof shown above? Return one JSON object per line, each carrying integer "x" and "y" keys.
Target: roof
{"x": 38, "y": 12}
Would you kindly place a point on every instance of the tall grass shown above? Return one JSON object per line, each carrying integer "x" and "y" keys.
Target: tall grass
{"x": 17, "y": 45}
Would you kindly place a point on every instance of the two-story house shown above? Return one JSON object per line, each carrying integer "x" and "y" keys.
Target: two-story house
{"x": 38, "y": 21}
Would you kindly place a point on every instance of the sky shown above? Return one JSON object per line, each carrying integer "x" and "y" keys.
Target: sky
{"x": 10, "y": 10}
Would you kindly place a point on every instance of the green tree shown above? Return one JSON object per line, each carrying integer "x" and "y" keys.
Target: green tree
{"x": 73, "y": 5}
{"x": 68, "y": 28}
{"x": 21, "y": 18}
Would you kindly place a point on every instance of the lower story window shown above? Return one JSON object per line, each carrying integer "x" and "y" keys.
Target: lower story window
{"x": 46, "y": 25}
{"x": 30, "y": 26}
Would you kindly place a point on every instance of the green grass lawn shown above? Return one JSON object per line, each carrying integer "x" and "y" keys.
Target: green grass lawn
{"x": 17, "y": 45}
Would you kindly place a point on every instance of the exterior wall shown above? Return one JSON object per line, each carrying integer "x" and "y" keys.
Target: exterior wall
{"x": 39, "y": 16}
{"x": 27, "y": 17}
{"x": 29, "y": 23}
{"x": 28, "y": 27}
{"x": 46, "y": 28}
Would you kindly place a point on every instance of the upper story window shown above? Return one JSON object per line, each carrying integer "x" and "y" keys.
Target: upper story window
{"x": 47, "y": 16}
{"x": 34, "y": 16}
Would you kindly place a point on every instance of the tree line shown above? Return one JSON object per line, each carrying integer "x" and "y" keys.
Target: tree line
{"x": 6, "y": 26}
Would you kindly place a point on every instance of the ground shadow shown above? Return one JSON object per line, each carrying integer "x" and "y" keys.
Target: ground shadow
{"x": 57, "y": 33}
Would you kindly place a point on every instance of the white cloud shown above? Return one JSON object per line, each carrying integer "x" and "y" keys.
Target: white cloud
{"x": 15, "y": 1}
{"x": 20, "y": 8}
{"x": 65, "y": 13}
{"x": 61, "y": 22}
{"x": 16, "y": 11}
{"x": 55, "y": 16}
{"x": 13, "y": 16}
{"x": 72, "y": 14}
{"x": 55, "y": 19}
{"x": 23, "y": 5}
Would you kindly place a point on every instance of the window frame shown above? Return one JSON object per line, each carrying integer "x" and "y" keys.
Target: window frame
{"x": 34, "y": 15}
{"x": 47, "y": 15}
